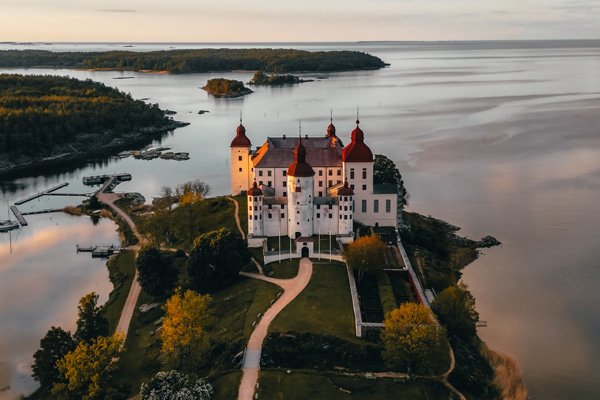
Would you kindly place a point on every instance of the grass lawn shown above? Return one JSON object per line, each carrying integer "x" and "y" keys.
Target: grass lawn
{"x": 286, "y": 269}
{"x": 273, "y": 243}
{"x": 324, "y": 307}
{"x": 121, "y": 271}
{"x": 235, "y": 308}
{"x": 300, "y": 385}
{"x": 226, "y": 385}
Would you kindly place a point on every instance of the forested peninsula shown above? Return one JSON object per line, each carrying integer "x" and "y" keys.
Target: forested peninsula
{"x": 200, "y": 60}
{"x": 49, "y": 119}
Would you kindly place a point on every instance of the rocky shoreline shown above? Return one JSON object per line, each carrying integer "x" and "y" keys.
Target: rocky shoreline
{"x": 87, "y": 147}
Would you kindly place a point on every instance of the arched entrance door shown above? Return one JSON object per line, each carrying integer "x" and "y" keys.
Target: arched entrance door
{"x": 304, "y": 252}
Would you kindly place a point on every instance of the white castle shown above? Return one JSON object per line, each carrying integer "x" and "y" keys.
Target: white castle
{"x": 304, "y": 186}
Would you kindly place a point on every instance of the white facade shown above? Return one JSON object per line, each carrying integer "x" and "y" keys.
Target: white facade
{"x": 300, "y": 218}
{"x": 241, "y": 169}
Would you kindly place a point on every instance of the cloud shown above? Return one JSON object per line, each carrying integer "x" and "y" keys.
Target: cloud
{"x": 117, "y": 10}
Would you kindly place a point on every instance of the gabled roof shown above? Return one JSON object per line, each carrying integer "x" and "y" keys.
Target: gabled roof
{"x": 277, "y": 152}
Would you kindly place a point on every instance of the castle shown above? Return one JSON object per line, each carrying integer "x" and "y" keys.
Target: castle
{"x": 304, "y": 186}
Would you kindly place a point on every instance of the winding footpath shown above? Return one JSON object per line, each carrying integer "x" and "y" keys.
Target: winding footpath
{"x": 291, "y": 289}
{"x": 109, "y": 199}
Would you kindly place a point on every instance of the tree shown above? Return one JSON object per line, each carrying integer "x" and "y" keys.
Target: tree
{"x": 216, "y": 258}
{"x": 455, "y": 309}
{"x": 174, "y": 385}
{"x": 90, "y": 323}
{"x": 53, "y": 347}
{"x": 365, "y": 254}
{"x": 156, "y": 275}
{"x": 386, "y": 172}
{"x": 87, "y": 370}
{"x": 183, "y": 334}
{"x": 413, "y": 340}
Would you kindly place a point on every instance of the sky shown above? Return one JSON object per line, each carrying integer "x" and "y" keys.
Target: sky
{"x": 300, "y": 21}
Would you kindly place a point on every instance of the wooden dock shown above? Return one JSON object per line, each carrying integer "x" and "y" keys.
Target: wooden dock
{"x": 18, "y": 215}
{"x": 99, "y": 251}
{"x": 40, "y": 194}
{"x": 100, "y": 179}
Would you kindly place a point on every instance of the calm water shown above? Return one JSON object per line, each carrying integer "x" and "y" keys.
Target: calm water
{"x": 498, "y": 138}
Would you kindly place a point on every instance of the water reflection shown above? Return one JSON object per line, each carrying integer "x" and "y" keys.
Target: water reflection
{"x": 42, "y": 281}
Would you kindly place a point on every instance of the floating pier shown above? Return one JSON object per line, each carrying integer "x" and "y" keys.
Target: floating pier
{"x": 99, "y": 251}
{"x": 40, "y": 194}
{"x": 100, "y": 179}
{"x": 18, "y": 215}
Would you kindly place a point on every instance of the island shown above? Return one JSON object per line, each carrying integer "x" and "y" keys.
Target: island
{"x": 198, "y": 60}
{"x": 49, "y": 120}
{"x": 261, "y": 79}
{"x": 229, "y": 88}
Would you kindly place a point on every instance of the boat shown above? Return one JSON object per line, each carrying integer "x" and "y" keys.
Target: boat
{"x": 8, "y": 225}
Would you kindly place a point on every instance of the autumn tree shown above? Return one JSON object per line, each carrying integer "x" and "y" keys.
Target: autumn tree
{"x": 174, "y": 385}
{"x": 413, "y": 340}
{"x": 183, "y": 334}
{"x": 156, "y": 273}
{"x": 86, "y": 372}
{"x": 386, "y": 172}
{"x": 216, "y": 258}
{"x": 90, "y": 323}
{"x": 365, "y": 254}
{"x": 455, "y": 309}
{"x": 53, "y": 347}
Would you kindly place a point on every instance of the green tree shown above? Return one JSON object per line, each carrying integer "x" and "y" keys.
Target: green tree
{"x": 87, "y": 371}
{"x": 53, "y": 347}
{"x": 455, "y": 309}
{"x": 156, "y": 274}
{"x": 174, "y": 385}
{"x": 386, "y": 172}
{"x": 413, "y": 340}
{"x": 365, "y": 254}
{"x": 216, "y": 258}
{"x": 90, "y": 323}
{"x": 183, "y": 334}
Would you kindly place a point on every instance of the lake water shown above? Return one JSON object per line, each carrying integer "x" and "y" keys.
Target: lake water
{"x": 498, "y": 138}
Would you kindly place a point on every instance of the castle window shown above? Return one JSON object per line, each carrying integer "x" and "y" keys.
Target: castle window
{"x": 240, "y": 158}
{"x": 260, "y": 173}
{"x": 339, "y": 181}
{"x": 364, "y": 187}
{"x": 270, "y": 216}
{"x": 298, "y": 223}
{"x": 330, "y": 173}
{"x": 352, "y": 187}
{"x": 249, "y": 208}
{"x": 320, "y": 172}
{"x": 260, "y": 182}
{"x": 270, "y": 206}
{"x": 249, "y": 217}
{"x": 330, "y": 183}
{"x": 364, "y": 206}
{"x": 318, "y": 206}
{"x": 388, "y": 206}
{"x": 284, "y": 194}
{"x": 269, "y": 173}
{"x": 282, "y": 215}
{"x": 269, "y": 183}
{"x": 345, "y": 208}
{"x": 255, "y": 217}
{"x": 255, "y": 208}
{"x": 350, "y": 216}
{"x": 339, "y": 172}
{"x": 298, "y": 189}
{"x": 320, "y": 183}
{"x": 297, "y": 212}
{"x": 330, "y": 206}
{"x": 320, "y": 194}
{"x": 376, "y": 205}
{"x": 345, "y": 217}
{"x": 364, "y": 173}
{"x": 284, "y": 184}
{"x": 318, "y": 215}
{"x": 283, "y": 206}
{"x": 260, "y": 216}
{"x": 284, "y": 172}
{"x": 351, "y": 173}
{"x": 330, "y": 216}
{"x": 240, "y": 169}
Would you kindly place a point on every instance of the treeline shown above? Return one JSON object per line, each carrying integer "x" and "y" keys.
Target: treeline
{"x": 221, "y": 87}
{"x": 261, "y": 79}
{"x": 201, "y": 60}
{"x": 38, "y": 113}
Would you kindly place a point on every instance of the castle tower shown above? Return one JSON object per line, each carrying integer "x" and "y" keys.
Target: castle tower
{"x": 255, "y": 202}
{"x": 345, "y": 200}
{"x": 357, "y": 160}
{"x": 300, "y": 177}
{"x": 240, "y": 161}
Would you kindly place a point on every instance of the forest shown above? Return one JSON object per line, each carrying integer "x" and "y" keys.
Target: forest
{"x": 38, "y": 114}
{"x": 201, "y": 60}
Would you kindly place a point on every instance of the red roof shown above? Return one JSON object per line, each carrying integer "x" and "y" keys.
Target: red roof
{"x": 240, "y": 139}
{"x": 345, "y": 190}
{"x": 357, "y": 150}
{"x": 255, "y": 190}
{"x": 299, "y": 167}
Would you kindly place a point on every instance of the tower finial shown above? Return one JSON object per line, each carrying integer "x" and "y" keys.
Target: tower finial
{"x": 240, "y": 117}
{"x": 357, "y": 120}
{"x": 331, "y": 115}
{"x": 300, "y": 129}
